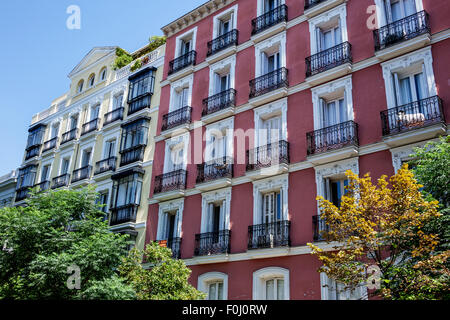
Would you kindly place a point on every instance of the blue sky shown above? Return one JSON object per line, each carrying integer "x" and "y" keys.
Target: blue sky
{"x": 37, "y": 52}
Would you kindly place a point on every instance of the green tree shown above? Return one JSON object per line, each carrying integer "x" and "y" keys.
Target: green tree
{"x": 123, "y": 59}
{"x": 54, "y": 231}
{"x": 165, "y": 279}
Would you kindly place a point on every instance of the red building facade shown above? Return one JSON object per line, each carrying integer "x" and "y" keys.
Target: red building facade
{"x": 264, "y": 105}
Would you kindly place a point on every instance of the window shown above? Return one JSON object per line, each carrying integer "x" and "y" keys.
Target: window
{"x": 271, "y": 283}
{"x": 134, "y": 134}
{"x": 216, "y": 210}
{"x": 185, "y": 42}
{"x": 270, "y": 54}
{"x": 225, "y": 22}
{"x": 169, "y": 220}
{"x": 335, "y": 189}
{"x": 55, "y": 130}
{"x": 35, "y": 136}
{"x": 333, "y": 290}
{"x": 329, "y": 35}
{"x": 271, "y": 123}
{"x": 65, "y": 166}
{"x": 45, "y": 173}
{"x": 26, "y": 177}
{"x": 80, "y": 86}
{"x": 86, "y": 158}
{"x": 102, "y": 202}
{"x": 110, "y": 149}
{"x": 181, "y": 98}
{"x": 271, "y": 207}
{"x": 176, "y": 158}
{"x": 214, "y": 284}
{"x": 94, "y": 112}
{"x": 399, "y": 9}
{"x": 73, "y": 122}
{"x": 103, "y": 74}
{"x": 410, "y": 86}
{"x": 140, "y": 90}
{"x": 117, "y": 101}
{"x": 215, "y": 291}
{"x": 127, "y": 190}
{"x": 274, "y": 289}
{"x": 91, "y": 80}
{"x": 181, "y": 93}
{"x": 222, "y": 75}
{"x": 271, "y": 202}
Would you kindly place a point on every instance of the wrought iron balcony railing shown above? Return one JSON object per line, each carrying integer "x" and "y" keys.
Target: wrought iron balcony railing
{"x": 212, "y": 243}
{"x": 33, "y": 152}
{"x": 269, "y": 19}
{"x": 114, "y": 115}
{"x": 43, "y": 186}
{"x": 272, "y": 154}
{"x": 215, "y": 169}
{"x": 173, "y": 244}
{"x": 123, "y": 214}
{"x": 332, "y": 138}
{"x": 220, "y": 101}
{"x": 81, "y": 173}
{"x": 90, "y": 126}
{"x": 411, "y": 116}
{"x": 106, "y": 165}
{"x": 50, "y": 144}
{"x": 175, "y": 180}
{"x": 61, "y": 181}
{"x": 329, "y": 59}
{"x": 312, "y": 3}
{"x": 133, "y": 154}
{"x": 69, "y": 135}
{"x": 269, "y": 82}
{"x": 22, "y": 193}
{"x": 401, "y": 30}
{"x": 319, "y": 225}
{"x": 176, "y": 118}
{"x": 269, "y": 235}
{"x": 182, "y": 62}
{"x": 222, "y": 42}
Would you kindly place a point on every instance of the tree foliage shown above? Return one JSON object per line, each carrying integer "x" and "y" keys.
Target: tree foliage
{"x": 384, "y": 225}
{"x": 123, "y": 58}
{"x": 166, "y": 278}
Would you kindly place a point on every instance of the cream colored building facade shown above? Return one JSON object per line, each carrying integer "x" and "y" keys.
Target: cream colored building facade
{"x": 100, "y": 133}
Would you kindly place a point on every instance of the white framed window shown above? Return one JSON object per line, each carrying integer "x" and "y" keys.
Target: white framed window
{"x": 181, "y": 93}
{"x": 176, "y": 153}
{"x": 225, "y": 21}
{"x": 271, "y": 283}
{"x": 328, "y": 29}
{"x": 110, "y": 149}
{"x": 86, "y": 155}
{"x": 219, "y": 140}
{"x": 170, "y": 218}
{"x": 54, "y": 130}
{"x": 117, "y": 101}
{"x": 333, "y": 290}
{"x": 271, "y": 123}
{"x": 45, "y": 172}
{"x": 216, "y": 210}
{"x": 103, "y": 74}
{"x": 214, "y": 284}
{"x": 265, "y": 6}
{"x": 80, "y": 86}
{"x": 389, "y": 11}
{"x": 65, "y": 165}
{"x": 91, "y": 80}
{"x": 270, "y": 54}
{"x": 222, "y": 75}
{"x": 73, "y": 121}
{"x": 94, "y": 112}
{"x": 185, "y": 43}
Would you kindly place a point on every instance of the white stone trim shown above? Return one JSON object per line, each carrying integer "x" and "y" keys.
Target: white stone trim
{"x": 225, "y": 66}
{"x": 192, "y": 31}
{"x": 215, "y": 196}
{"x": 186, "y": 82}
{"x": 277, "y": 183}
{"x": 224, "y": 127}
{"x": 404, "y": 154}
{"x": 277, "y": 108}
{"x": 261, "y": 275}
{"x": 278, "y": 40}
{"x": 216, "y": 18}
{"x": 170, "y": 206}
{"x": 181, "y": 140}
{"x": 206, "y": 278}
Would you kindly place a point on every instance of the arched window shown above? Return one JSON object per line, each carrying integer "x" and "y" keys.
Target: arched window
{"x": 271, "y": 284}
{"x": 80, "y": 86}
{"x": 91, "y": 80}
{"x": 214, "y": 284}
{"x": 103, "y": 74}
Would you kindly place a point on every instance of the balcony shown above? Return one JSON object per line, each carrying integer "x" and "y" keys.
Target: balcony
{"x": 69, "y": 136}
{"x": 173, "y": 244}
{"x": 267, "y": 160}
{"x": 123, "y": 214}
{"x": 32, "y": 152}
{"x": 43, "y": 186}
{"x": 214, "y": 174}
{"x": 50, "y": 144}
{"x": 113, "y": 116}
{"x": 171, "y": 182}
{"x": 275, "y": 82}
{"x": 105, "y": 165}
{"x": 269, "y": 235}
{"x": 176, "y": 118}
{"x": 81, "y": 174}
{"x": 212, "y": 243}
{"x": 388, "y": 39}
{"x": 222, "y": 42}
{"x": 133, "y": 154}
{"x": 399, "y": 122}
{"x": 90, "y": 126}
{"x": 329, "y": 64}
{"x": 218, "y": 102}
{"x": 319, "y": 225}
{"x": 180, "y": 63}
{"x": 267, "y": 22}
{"x": 61, "y": 181}
{"x": 22, "y": 193}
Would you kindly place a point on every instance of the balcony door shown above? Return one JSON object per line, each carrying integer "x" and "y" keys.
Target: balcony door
{"x": 73, "y": 122}
{"x": 270, "y": 5}
{"x": 45, "y": 173}
{"x": 222, "y": 83}
{"x": 176, "y": 159}
{"x": 399, "y": 9}
{"x": 182, "y": 96}
{"x": 110, "y": 149}
{"x": 55, "y": 131}
{"x": 334, "y": 190}
{"x": 94, "y": 113}
{"x": 117, "y": 101}
{"x": 65, "y": 166}
{"x": 271, "y": 207}
{"x": 218, "y": 147}
{"x": 186, "y": 46}
{"x": 329, "y": 38}
{"x": 271, "y": 62}
{"x": 225, "y": 25}
{"x": 86, "y": 158}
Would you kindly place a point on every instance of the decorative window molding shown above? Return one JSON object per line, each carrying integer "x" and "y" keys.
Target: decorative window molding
{"x": 186, "y": 82}
{"x": 223, "y": 67}
{"x": 340, "y": 88}
{"x": 167, "y": 207}
{"x": 223, "y": 128}
{"x": 277, "y": 108}
{"x": 192, "y": 33}
{"x": 262, "y": 275}
{"x": 224, "y": 196}
{"x": 117, "y": 90}
{"x": 339, "y": 12}
{"x": 402, "y": 154}
{"x": 216, "y": 19}
{"x": 360, "y": 293}
{"x": 181, "y": 141}
{"x": 279, "y": 183}
{"x": 277, "y": 43}
{"x": 206, "y": 278}
{"x": 403, "y": 63}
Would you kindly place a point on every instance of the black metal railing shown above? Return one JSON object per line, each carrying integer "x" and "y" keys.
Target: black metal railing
{"x": 215, "y": 169}
{"x": 312, "y": 3}
{"x": 139, "y": 104}
{"x": 133, "y": 154}
{"x": 105, "y": 165}
{"x": 123, "y": 214}
{"x": 269, "y": 19}
{"x": 414, "y": 115}
{"x": 269, "y": 82}
{"x": 61, "y": 181}
{"x": 211, "y": 243}
{"x": 272, "y": 154}
{"x": 319, "y": 225}
{"x": 90, "y": 126}
{"x": 114, "y": 115}
{"x": 33, "y": 152}
{"x": 182, "y": 61}
{"x": 174, "y": 244}
{"x": 175, "y": 180}
{"x": 176, "y": 118}
{"x": 329, "y": 59}
{"x": 222, "y": 42}
{"x": 69, "y": 135}
{"x": 332, "y": 138}
{"x": 220, "y": 101}
{"x": 50, "y": 144}
{"x": 401, "y": 30}
{"x": 22, "y": 193}
{"x": 81, "y": 173}
{"x": 43, "y": 186}
{"x": 269, "y": 235}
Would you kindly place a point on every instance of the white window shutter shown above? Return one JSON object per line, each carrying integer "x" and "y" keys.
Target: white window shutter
{"x": 397, "y": 93}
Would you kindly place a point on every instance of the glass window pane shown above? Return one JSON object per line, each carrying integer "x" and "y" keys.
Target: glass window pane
{"x": 270, "y": 290}
{"x": 220, "y": 291}
{"x": 212, "y": 291}
{"x": 280, "y": 289}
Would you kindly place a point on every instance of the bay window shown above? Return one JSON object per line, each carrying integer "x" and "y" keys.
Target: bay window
{"x": 141, "y": 90}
